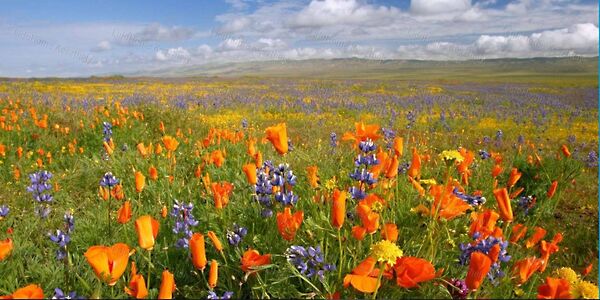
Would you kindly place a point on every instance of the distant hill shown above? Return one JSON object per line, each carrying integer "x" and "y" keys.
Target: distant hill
{"x": 354, "y": 68}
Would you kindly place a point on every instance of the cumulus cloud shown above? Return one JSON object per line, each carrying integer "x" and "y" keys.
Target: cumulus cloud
{"x": 178, "y": 53}
{"x": 231, "y": 44}
{"x": 338, "y": 12}
{"x": 429, "y": 7}
{"x": 153, "y": 33}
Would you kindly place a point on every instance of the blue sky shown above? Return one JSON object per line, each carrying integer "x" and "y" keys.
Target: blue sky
{"x": 81, "y": 38}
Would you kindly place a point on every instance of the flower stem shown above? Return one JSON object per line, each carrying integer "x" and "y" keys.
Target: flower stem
{"x": 381, "y": 266}
{"x": 149, "y": 266}
{"x": 341, "y": 254}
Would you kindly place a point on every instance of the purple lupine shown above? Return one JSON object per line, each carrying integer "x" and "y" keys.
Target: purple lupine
{"x": 109, "y": 180}
{"x": 39, "y": 189}
{"x": 363, "y": 161}
{"x": 309, "y": 262}
{"x": 592, "y": 159}
{"x": 333, "y": 140}
{"x": 269, "y": 176}
{"x": 213, "y": 296}
{"x": 459, "y": 289}
{"x": 411, "y": 117}
{"x": 484, "y": 246}
{"x": 471, "y": 200}
{"x": 59, "y": 294}
{"x": 184, "y": 221}
{"x": 484, "y": 154}
{"x": 4, "y": 210}
{"x": 526, "y": 203}
{"x": 107, "y": 131}
{"x": 235, "y": 236}
{"x": 388, "y": 136}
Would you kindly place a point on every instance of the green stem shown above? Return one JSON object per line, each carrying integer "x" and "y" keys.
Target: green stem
{"x": 341, "y": 254}
{"x": 149, "y": 266}
{"x": 381, "y": 266}
{"x": 108, "y": 216}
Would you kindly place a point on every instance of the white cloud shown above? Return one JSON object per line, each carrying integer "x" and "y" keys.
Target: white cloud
{"x": 178, "y": 54}
{"x": 230, "y": 44}
{"x": 269, "y": 44}
{"x": 102, "y": 46}
{"x": 429, "y": 7}
{"x": 153, "y": 33}
{"x": 339, "y": 12}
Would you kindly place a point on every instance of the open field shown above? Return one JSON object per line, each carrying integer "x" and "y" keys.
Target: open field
{"x": 432, "y": 186}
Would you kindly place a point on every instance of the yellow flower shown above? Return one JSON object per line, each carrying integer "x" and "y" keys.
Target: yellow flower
{"x": 568, "y": 274}
{"x": 451, "y": 156}
{"x": 584, "y": 290}
{"x": 428, "y": 181}
{"x": 331, "y": 183}
{"x": 386, "y": 251}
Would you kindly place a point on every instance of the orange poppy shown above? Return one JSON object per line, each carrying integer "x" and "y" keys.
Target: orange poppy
{"x": 565, "y": 150}
{"x": 158, "y": 149}
{"x": 484, "y": 222}
{"x": 414, "y": 170}
{"x": 478, "y": 268}
{"x": 359, "y": 232}
{"x": 250, "y": 171}
{"x": 587, "y": 270}
{"x": 167, "y": 285}
{"x": 108, "y": 263}
{"x": 215, "y": 240}
{"x": 6, "y": 247}
{"x": 147, "y": 230}
{"x": 313, "y": 177}
{"x": 258, "y": 159}
{"x": 362, "y": 132}
{"x": 252, "y": 258}
{"x": 538, "y": 235}
{"x": 526, "y": 267}
{"x": 277, "y": 135}
{"x": 109, "y": 150}
{"x": 338, "y": 208}
{"x": 552, "y": 189}
{"x": 398, "y": 146}
{"x": 117, "y": 192}
{"x": 142, "y": 150}
{"x": 163, "y": 211}
{"x": 251, "y": 150}
{"x": 410, "y": 271}
{"x": 547, "y": 249}
{"x": 496, "y": 170}
{"x": 288, "y": 224}
{"x": 518, "y": 232}
{"x": 32, "y": 291}
{"x": 213, "y": 274}
{"x": 392, "y": 168}
{"x": 124, "y": 213}
{"x": 140, "y": 181}
{"x": 516, "y": 193}
{"x": 170, "y": 143}
{"x": 554, "y": 288}
{"x": 217, "y": 158}
{"x": 504, "y": 205}
{"x": 514, "y": 176}
{"x": 137, "y": 287}
{"x": 494, "y": 253}
{"x": 364, "y": 276}
{"x": 221, "y": 192}
{"x": 153, "y": 173}
{"x": 446, "y": 205}
{"x": 369, "y": 219}
{"x": 198, "y": 251}
{"x": 390, "y": 232}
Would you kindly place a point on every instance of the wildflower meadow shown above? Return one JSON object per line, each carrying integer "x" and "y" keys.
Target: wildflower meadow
{"x": 285, "y": 188}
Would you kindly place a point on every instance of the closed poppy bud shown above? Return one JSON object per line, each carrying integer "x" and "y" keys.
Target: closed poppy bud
{"x": 496, "y": 170}
{"x": 198, "y": 251}
{"x": 6, "y": 247}
{"x": 142, "y": 150}
{"x": 104, "y": 193}
{"x": 124, "y": 213}
{"x": 109, "y": 150}
{"x": 552, "y": 189}
{"x": 213, "y": 274}
{"x": 414, "y": 170}
{"x": 504, "y": 205}
{"x": 167, "y": 285}
{"x": 164, "y": 212}
{"x": 398, "y": 146}
{"x": 516, "y": 193}
{"x": 338, "y": 209}
{"x": 250, "y": 171}
{"x": 565, "y": 151}
{"x": 515, "y": 175}
{"x": 359, "y": 232}
{"x": 277, "y": 135}
{"x": 215, "y": 240}
{"x": 392, "y": 170}
{"x": 158, "y": 149}
{"x": 518, "y": 232}
{"x": 587, "y": 270}
{"x": 258, "y": 159}
{"x": 153, "y": 173}
{"x": 147, "y": 230}
{"x": 313, "y": 177}
{"x": 478, "y": 268}
{"x": 140, "y": 181}
{"x": 390, "y": 232}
